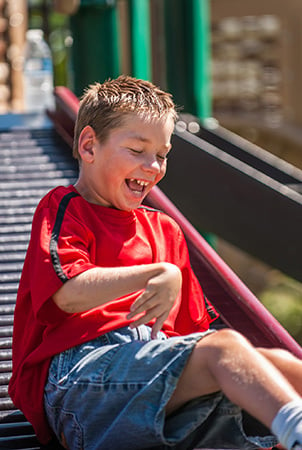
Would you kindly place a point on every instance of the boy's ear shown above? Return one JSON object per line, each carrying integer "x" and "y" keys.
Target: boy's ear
{"x": 86, "y": 143}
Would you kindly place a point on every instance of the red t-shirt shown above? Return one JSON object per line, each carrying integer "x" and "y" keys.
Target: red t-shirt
{"x": 69, "y": 236}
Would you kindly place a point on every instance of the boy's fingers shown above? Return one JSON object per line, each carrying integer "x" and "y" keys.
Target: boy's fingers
{"x": 149, "y": 315}
{"x": 158, "y": 325}
{"x": 142, "y": 303}
{"x": 139, "y": 301}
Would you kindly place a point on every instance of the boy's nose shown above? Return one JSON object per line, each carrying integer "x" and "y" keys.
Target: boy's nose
{"x": 152, "y": 165}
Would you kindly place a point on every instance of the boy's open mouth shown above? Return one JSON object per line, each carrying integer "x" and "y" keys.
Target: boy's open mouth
{"x": 136, "y": 185}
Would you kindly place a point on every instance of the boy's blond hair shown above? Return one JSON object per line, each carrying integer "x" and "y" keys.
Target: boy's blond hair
{"x": 104, "y": 106}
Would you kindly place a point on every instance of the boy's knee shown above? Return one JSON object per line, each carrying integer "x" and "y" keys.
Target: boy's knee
{"x": 221, "y": 344}
{"x": 225, "y": 338}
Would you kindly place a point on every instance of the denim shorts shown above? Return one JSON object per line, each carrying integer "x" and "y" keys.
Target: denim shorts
{"x": 111, "y": 394}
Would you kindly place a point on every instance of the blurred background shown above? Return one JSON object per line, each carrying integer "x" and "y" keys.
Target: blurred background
{"x": 238, "y": 63}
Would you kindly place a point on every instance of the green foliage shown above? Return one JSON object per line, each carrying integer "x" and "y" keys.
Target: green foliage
{"x": 283, "y": 298}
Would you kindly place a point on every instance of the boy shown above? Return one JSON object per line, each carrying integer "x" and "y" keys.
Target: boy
{"x": 112, "y": 348}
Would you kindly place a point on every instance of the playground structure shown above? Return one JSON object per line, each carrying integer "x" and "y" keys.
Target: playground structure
{"x": 234, "y": 188}
{"x": 36, "y": 156}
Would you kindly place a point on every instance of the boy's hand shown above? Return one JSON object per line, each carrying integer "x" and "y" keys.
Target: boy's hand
{"x": 158, "y": 298}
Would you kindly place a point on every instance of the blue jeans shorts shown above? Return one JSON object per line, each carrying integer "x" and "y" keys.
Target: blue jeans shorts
{"x": 111, "y": 394}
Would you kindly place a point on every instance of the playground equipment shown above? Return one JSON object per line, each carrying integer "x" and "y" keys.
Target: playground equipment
{"x": 36, "y": 156}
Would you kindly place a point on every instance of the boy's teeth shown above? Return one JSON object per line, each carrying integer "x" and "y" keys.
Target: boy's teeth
{"x": 141, "y": 182}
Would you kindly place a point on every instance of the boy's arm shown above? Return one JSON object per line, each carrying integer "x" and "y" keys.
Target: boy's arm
{"x": 160, "y": 283}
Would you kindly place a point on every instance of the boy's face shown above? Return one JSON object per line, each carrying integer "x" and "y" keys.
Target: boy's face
{"x": 120, "y": 172}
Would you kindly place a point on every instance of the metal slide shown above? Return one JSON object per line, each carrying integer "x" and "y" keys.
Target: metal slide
{"x": 33, "y": 159}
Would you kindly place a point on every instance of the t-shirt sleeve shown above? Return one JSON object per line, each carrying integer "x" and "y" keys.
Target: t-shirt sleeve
{"x": 58, "y": 251}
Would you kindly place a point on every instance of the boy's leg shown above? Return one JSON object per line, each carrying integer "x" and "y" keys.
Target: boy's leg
{"x": 289, "y": 365}
{"x": 226, "y": 361}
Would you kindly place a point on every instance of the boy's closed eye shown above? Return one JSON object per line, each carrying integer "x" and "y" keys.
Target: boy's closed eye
{"x": 134, "y": 150}
{"x": 160, "y": 156}
{"x": 163, "y": 157}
